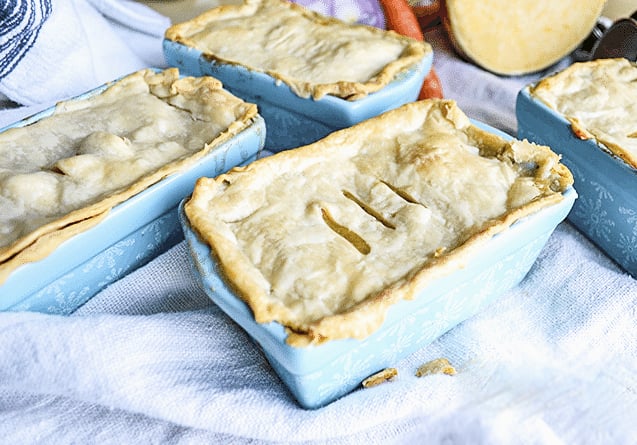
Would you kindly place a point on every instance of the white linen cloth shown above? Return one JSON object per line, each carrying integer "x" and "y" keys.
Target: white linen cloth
{"x": 151, "y": 360}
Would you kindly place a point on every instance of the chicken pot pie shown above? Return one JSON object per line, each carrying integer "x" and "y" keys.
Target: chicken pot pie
{"x": 324, "y": 238}
{"x": 313, "y": 54}
{"x": 60, "y": 175}
{"x": 599, "y": 99}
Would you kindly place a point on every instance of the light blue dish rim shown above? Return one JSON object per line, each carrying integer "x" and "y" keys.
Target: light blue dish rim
{"x": 606, "y": 182}
{"x": 335, "y": 110}
{"x": 272, "y": 336}
{"x": 121, "y": 220}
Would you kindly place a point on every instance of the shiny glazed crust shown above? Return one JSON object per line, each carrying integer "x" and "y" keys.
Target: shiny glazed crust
{"x": 325, "y": 238}
{"x": 60, "y": 175}
{"x": 313, "y": 54}
{"x": 599, "y": 99}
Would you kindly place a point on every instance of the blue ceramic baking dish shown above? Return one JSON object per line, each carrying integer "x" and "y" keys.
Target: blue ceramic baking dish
{"x": 291, "y": 120}
{"x": 606, "y": 211}
{"x": 319, "y": 374}
{"x": 133, "y": 233}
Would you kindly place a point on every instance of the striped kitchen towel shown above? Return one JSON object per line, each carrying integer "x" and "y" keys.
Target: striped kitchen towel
{"x": 20, "y": 27}
{"x": 54, "y": 49}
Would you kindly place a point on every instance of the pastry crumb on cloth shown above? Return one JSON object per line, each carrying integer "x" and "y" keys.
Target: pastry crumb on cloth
{"x": 436, "y": 366}
{"x": 386, "y": 375}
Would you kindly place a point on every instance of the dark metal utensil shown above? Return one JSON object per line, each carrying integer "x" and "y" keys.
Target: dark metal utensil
{"x": 618, "y": 39}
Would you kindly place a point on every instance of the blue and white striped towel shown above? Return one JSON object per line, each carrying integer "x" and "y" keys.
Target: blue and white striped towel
{"x": 20, "y": 27}
{"x": 54, "y": 49}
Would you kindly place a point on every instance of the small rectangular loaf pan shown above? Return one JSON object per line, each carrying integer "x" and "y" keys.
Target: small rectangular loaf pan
{"x": 299, "y": 110}
{"x": 362, "y": 239}
{"x": 606, "y": 211}
{"x": 134, "y": 230}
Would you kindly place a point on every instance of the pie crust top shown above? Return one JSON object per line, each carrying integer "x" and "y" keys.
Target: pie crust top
{"x": 61, "y": 174}
{"x": 313, "y": 54}
{"x": 325, "y": 238}
{"x": 599, "y": 99}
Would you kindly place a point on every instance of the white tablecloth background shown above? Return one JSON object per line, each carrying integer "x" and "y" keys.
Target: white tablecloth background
{"x": 151, "y": 360}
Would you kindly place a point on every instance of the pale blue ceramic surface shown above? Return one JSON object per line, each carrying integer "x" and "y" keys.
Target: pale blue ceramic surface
{"x": 133, "y": 233}
{"x": 291, "y": 120}
{"x": 317, "y": 375}
{"x": 606, "y": 211}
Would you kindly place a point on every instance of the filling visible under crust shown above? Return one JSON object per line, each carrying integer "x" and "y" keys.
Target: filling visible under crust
{"x": 317, "y": 232}
{"x": 599, "y": 98}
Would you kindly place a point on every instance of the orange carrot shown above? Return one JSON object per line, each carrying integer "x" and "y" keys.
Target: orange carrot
{"x": 431, "y": 86}
{"x": 400, "y": 17}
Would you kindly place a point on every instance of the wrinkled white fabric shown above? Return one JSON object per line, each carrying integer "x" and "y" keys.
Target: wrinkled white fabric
{"x": 151, "y": 360}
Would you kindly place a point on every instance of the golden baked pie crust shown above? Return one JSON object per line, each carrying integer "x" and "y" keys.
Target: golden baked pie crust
{"x": 268, "y": 232}
{"x": 312, "y": 33}
{"x": 167, "y": 85}
{"x": 599, "y": 99}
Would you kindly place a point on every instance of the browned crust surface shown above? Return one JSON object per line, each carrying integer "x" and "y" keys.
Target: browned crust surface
{"x": 358, "y": 317}
{"x": 46, "y": 244}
